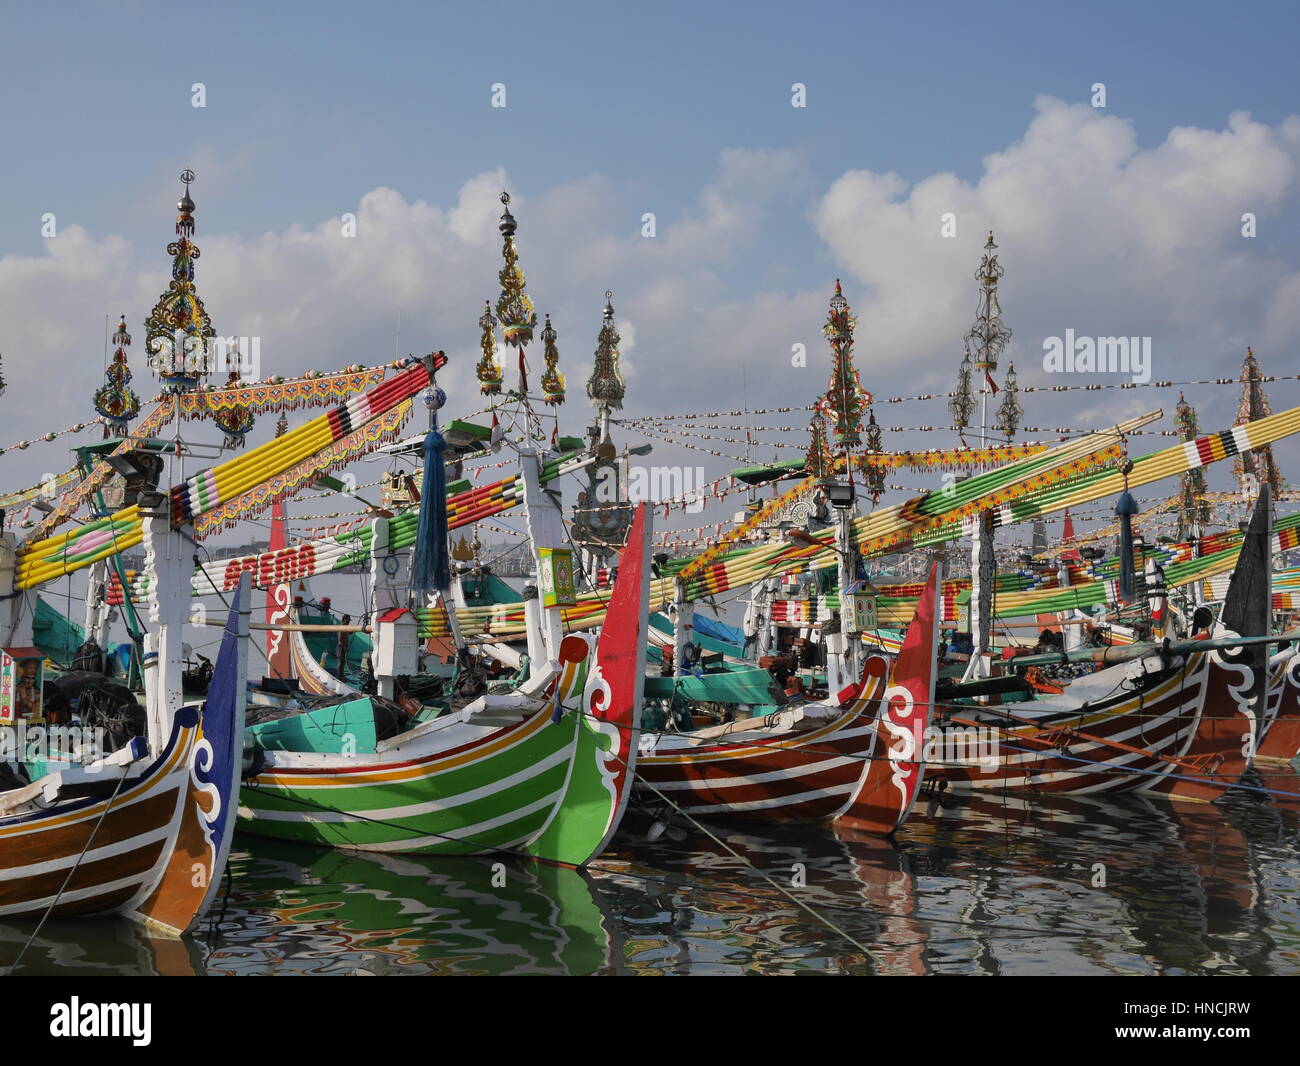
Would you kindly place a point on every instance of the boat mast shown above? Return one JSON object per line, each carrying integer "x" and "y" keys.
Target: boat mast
{"x": 985, "y": 340}
{"x": 517, "y": 317}
{"x": 1257, "y": 467}
{"x": 844, "y": 404}
{"x": 602, "y": 515}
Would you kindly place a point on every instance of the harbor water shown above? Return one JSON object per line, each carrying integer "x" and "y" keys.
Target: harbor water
{"x": 994, "y": 885}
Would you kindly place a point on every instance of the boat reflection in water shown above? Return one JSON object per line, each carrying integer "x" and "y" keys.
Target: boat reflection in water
{"x": 98, "y": 947}
{"x": 988, "y": 884}
{"x": 300, "y": 910}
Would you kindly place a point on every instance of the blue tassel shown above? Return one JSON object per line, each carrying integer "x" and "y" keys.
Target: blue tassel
{"x": 430, "y": 569}
{"x": 1126, "y": 508}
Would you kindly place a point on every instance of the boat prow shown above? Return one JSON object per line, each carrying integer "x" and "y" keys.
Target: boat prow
{"x": 134, "y": 833}
{"x": 894, "y": 772}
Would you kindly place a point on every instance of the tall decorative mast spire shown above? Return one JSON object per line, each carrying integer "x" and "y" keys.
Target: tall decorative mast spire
{"x": 819, "y": 463}
{"x": 178, "y": 329}
{"x": 1193, "y": 510}
{"x": 115, "y": 400}
{"x": 1255, "y": 466}
{"x": 988, "y": 336}
{"x": 603, "y": 514}
{"x": 845, "y": 398}
{"x": 515, "y": 309}
{"x": 605, "y": 387}
{"x": 874, "y": 476}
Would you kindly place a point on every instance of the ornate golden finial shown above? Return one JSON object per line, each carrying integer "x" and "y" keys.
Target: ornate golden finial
{"x": 488, "y": 369}
{"x": 552, "y": 379}
{"x": 178, "y": 329}
{"x": 845, "y": 397}
{"x": 605, "y": 386}
{"x": 115, "y": 401}
{"x": 515, "y": 309}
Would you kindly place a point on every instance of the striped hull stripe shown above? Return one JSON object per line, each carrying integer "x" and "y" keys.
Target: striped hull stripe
{"x": 495, "y": 793}
{"x": 1192, "y": 715}
{"x": 808, "y": 777}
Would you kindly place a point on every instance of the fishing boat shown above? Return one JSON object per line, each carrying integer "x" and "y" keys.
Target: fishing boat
{"x": 1177, "y": 724}
{"x": 854, "y": 760}
{"x": 142, "y": 830}
{"x": 544, "y": 771}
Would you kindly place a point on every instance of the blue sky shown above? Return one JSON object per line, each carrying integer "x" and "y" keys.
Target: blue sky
{"x": 617, "y": 110}
{"x": 309, "y": 106}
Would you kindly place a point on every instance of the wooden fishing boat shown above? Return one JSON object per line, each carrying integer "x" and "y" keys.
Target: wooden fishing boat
{"x": 1179, "y": 726}
{"x": 545, "y": 770}
{"x": 851, "y": 762}
{"x": 144, "y": 830}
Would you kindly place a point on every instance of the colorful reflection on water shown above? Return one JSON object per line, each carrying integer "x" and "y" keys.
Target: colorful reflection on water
{"x": 996, "y": 885}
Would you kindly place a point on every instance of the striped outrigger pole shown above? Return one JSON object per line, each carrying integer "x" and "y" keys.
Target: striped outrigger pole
{"x": 223, "y": 482}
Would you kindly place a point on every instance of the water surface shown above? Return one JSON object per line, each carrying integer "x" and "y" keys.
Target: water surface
{"x": 999, "y": 885}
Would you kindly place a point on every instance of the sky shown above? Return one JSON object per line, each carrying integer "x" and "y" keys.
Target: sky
{"x": 1117, "y": 220}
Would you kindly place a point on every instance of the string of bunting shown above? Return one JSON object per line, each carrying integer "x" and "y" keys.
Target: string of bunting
{"x": 1063, "y": 430}
{"x": 50, "y": 488}
{"x": 315, "y": 388}
{"x": 54, "y": 434}
{"x": 1090, "y": 387}
{"x": 81, "y": 494}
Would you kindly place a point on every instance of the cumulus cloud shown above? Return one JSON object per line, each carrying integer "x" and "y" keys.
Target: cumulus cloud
{"x": 1096, "y": 234}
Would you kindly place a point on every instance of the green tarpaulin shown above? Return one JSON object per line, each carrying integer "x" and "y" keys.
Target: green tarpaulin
{"x": 57, "y": 637}
{"x": 734, "y": 686}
